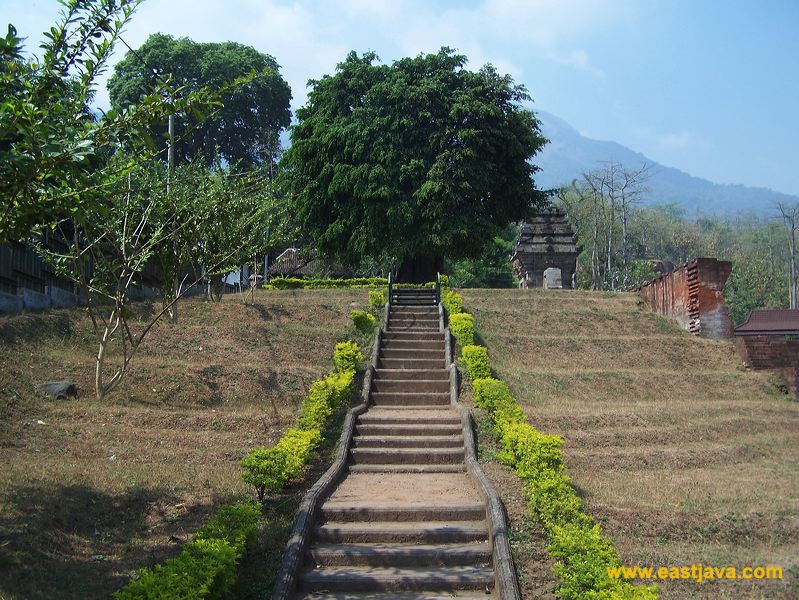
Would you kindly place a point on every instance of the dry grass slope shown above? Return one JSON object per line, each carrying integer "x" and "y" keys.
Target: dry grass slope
{"x": 103, "y": 488}
{"x": 682, "y": 455}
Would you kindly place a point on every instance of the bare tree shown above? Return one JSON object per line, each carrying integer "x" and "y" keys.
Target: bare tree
{"x": 790, "y": 216}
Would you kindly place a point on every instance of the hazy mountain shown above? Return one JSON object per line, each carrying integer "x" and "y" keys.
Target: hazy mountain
{"x": 569, "y": 154}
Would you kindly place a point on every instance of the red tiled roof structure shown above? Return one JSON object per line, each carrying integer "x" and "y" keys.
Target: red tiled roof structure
{"x": 770, "y": 322}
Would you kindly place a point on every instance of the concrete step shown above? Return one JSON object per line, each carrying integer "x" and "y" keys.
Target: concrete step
{"x": 411, "y": 532}
{"x": 413, "y": 329}
{"x": 394, "y": 329}
{"x": 399, "y": 309}
{"x": 418, "y": 595}
{"x": 410, "y": 386}
{"x": 365, "y": 579}
{"x": 412, "y": 335}
{"x": 414, "y": 303}
{"x": 345, "y": 512}
{"x": 408, "y": 429}
{"x": 411, "y": 320}
{"x": 396, "y": 416}
{"x": 401, "y": 441}
{"x": 399, "y": 555}
{"x": 410, "y": 399}
{"x": 411, "y": 363}
{"x": 410, "y": 352}
{"x": 406, "y": 456}
{"x": 454, "y": 468}
{"x": 415, "y": 374}
{"x": 414, "y": 345}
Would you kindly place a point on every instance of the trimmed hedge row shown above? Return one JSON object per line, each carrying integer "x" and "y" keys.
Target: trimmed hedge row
{"x": 476, "y": 359}
{"x": 364, "y": 322}
{"x": 584, "y": 553}
{"x": 297, "y": 283}
{"x": 377, "y": 299}
{"x": 206, "y": 567}
{"x": 268, "y": 470}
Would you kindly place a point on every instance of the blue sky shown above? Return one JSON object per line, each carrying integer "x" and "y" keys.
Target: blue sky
{"x": 709, "y": 87}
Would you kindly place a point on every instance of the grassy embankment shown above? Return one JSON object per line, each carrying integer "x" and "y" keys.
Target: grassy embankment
{"x": 680, "y": 454}
{"x": 92, "y": 490}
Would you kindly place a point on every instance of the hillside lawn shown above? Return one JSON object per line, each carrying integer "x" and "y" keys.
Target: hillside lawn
{"x": 92, "y": 490}
{"x": 682, "y": 455}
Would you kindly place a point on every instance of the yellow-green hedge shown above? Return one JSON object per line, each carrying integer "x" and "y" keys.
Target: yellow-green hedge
{"x": 462, "y": 326}
{"x": 584, "y": 553}
{"x": 206, "y": 567}
{"x": 476, "y": 360}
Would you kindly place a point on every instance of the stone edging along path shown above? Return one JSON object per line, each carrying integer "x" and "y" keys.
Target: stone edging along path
{"x": 405, "y": 510}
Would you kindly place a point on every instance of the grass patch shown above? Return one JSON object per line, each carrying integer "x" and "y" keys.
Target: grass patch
{"x": 677, "y": 452}
{"x": 131, "y": 478}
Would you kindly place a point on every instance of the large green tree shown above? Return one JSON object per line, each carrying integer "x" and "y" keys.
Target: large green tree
{"x": 412, "y": 162}
{"x": 244, "y": 130}
{"x": 53, "y": 149}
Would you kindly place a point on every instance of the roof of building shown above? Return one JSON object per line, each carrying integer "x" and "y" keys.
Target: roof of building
{"x": 770, "y": 322}
{"x": 547, "y": 233}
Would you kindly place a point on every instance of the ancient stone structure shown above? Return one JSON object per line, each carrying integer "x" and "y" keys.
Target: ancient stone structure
{"x": 546, "y": 241}
{"x": 769, "y": 340}
{"x": 692, "y": 294}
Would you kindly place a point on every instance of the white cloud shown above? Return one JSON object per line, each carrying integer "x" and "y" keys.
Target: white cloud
{"x": 309, "y": 38}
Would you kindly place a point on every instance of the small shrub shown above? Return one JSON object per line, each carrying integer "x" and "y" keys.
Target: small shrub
{"x": 365, "y": 322}
{"x": 377, "y": 299}
{"x": 489, "y": 392}
{"x": 266, "y": 469}
{"x": 462, "y": 325}
{"x": 315, "y": 410}
{"x": 298, "y": 445}
{"x": 206, "y": 567}
{"x": 476, "y": 359}
{"x": 452, "y": 301}
{"x": 347, "y": 357}
{"x": 236, "y": 523}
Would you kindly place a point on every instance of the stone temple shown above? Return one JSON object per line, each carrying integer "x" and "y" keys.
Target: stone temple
{"x": 546, "y": 253}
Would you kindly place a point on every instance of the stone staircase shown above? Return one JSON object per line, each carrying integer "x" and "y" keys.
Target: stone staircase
{"x": 406, "y": 520}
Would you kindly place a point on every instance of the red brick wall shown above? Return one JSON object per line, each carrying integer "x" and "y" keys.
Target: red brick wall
{"x": 693, "y": 295}
{"x": 768, "y": 351}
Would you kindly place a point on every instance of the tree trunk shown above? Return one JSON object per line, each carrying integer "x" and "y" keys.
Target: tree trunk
{"x": 420, "y": 268}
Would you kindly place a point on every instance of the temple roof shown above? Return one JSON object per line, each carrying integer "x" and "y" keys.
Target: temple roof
{"x": 547, "y": 233}
{"x": 770, "y": 322}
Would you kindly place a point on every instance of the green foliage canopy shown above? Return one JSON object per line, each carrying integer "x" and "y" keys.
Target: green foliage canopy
{"x": 244, "y": 131}
{"x": 53, "y": 150}
{"x": 418, "y": 158}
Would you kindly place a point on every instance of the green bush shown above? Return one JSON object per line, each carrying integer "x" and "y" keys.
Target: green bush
{"x": 537, "y": 459}
{"x": 298, "y": 445}
{"x": 347, "y": 357}
{"x": 462, "y": 325}
{"x": 365, "y": 322}
{"x": 206, "y": 566}
{"x": 583, "y": 569}
{"x": 323, "y": 397}
{"x": 452, "y": 301}
{"x": 377, "y": 299}
{"x": 296, "y": 283}
{"x": 476, "y": 359}
{"x": 266, "y": 469}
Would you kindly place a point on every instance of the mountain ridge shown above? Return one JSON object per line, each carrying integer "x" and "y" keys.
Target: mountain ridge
{"x": 570, "y": 153}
